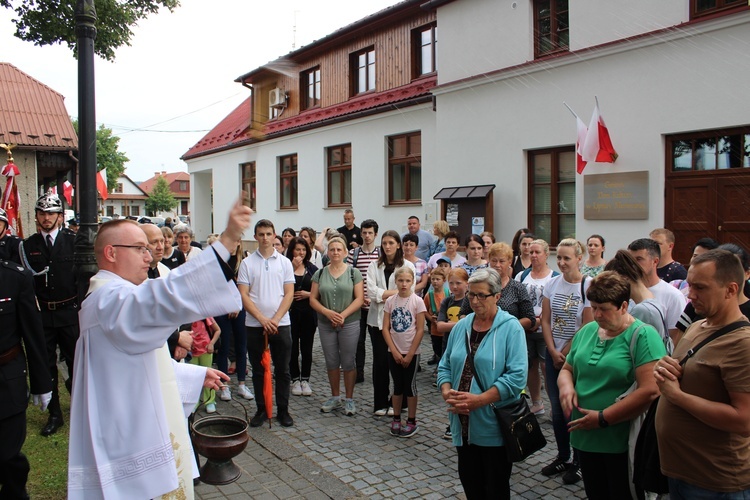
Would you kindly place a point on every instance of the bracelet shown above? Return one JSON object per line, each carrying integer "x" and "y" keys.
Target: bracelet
{"x": 602, "y": 422}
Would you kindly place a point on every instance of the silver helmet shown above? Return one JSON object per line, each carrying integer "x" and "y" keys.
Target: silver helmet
{"x": 49, "y": 203}
{"x": 3, "y": 216}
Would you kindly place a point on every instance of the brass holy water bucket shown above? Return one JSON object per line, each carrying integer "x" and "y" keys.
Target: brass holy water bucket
{"x": 220, "y": 438}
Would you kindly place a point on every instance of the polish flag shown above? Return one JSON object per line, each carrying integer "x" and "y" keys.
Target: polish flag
{"x": 68, "y": 192}
{"x": 101, "y": 183}
{"x": 598, "y": 146}
{"x": 580, "y": 162}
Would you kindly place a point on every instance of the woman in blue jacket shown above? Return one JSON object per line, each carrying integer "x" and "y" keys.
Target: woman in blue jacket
{"x": 498, "y": 353}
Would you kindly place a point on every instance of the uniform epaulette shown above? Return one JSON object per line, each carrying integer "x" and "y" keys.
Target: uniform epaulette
{"x": 12, "y": 265}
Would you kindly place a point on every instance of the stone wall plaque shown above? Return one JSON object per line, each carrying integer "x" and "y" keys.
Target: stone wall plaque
{"x": 617, "y": 196}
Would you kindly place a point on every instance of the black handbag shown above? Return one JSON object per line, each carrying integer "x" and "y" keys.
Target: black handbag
{"x": 646, "y": 463}
{"x": 519, "y": 427}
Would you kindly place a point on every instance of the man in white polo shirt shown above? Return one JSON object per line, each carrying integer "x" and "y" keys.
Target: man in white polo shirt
{"x": 266, "y": 284}
{"x": 647, "y": 253}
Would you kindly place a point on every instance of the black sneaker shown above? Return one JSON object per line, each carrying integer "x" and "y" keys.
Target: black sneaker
{"x": 558, "y": 466}
{"x": 573, "y": 474}
{"x": 284, "y": 418}
{"x": 258, "y": 419}
{"x": 448, "y": 434}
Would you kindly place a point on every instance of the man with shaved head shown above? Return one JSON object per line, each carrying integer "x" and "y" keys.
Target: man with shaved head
{"x": 127, "y": 431}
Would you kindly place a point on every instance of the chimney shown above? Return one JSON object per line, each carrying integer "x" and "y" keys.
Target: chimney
{"x": 156, "y": 174}
{"x": 163, "y": 173}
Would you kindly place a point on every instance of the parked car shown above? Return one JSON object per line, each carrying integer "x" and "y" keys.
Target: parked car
{"x": 159, "y": 221}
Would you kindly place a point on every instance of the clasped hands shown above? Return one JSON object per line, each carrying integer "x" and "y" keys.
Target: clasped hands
{"x": 568, "y": 401}
{"x": 461, "y": 403}
{"x": 667, "y": 373}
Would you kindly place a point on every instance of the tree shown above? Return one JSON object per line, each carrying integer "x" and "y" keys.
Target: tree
{"x": 48, "y": 22}
{"x": 108, "y": 155}
{"x": 160, "y": 199}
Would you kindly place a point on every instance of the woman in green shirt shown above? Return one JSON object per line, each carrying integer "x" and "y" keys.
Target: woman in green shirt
{"x": 337, "y": 295}
{"x": 604, "y": 362}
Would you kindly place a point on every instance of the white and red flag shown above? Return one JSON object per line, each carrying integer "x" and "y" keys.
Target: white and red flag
{"x": 580, "y": 139}
{"x": 598, "y": 145}
{"x": 10, "y": 200}
{"x": 101, "y": 183}
{"x": 68, "y": 192}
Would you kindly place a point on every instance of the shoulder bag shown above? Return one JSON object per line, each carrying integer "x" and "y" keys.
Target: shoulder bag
{"x": 519, "y": 427}
{"x": 646, "y": 464}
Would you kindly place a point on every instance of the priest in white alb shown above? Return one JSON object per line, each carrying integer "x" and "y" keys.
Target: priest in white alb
{"x": 124, "y": 440}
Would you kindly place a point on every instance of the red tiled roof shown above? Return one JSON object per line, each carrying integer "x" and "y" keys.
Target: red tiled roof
{"x": 148, "y": 185}
{"x": 414, "y": 89}
{"x": 122, "y": 196}
{"x": 229, "y": 131}
{"x": 32, "y": 114}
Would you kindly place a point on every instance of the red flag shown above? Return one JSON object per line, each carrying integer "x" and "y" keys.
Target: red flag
{"x": 68, "y": 192}
{"x": 101, "y": 183}
{"x": 10, "y": 200}
{"x": 598, "y": 145}
{"x": 580, "y": 162}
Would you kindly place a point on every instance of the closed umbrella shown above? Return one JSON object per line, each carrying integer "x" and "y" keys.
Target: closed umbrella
{"x": 265, "y": 362}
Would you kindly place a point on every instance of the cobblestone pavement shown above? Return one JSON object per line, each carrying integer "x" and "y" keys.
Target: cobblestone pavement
{"x": 330, "y": 455}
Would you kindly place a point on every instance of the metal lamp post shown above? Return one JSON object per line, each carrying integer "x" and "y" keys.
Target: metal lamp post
{"x": 85, "y": 14}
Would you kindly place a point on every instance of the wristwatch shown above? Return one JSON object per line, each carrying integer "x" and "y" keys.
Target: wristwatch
{"x": 602, "y": 423}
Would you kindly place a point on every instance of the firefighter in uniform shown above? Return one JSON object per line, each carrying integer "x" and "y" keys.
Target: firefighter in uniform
{"x": 49, "y": 254}
{"x": 8, "y": 242}
{"x": 21, "y": 330}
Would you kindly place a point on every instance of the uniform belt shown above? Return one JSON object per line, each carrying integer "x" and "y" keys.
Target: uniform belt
{"x": 10, "y": 354}
{"x": 51, "y": 306}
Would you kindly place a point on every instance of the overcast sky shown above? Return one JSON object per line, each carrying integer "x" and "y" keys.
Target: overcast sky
{"x": 179, "y": 73}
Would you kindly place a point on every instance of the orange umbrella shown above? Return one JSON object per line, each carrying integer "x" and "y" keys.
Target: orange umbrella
{"x": 265, "y": 361}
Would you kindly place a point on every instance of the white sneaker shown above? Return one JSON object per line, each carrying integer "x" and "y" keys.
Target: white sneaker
{"x": 296, "y": 388}
{"x": 226, "y": 394}
{"x": 305, "y": 388}
{"x": 330, "y": 405}
{"x": 350, "y": 408}
{"x": 243, "y": 391}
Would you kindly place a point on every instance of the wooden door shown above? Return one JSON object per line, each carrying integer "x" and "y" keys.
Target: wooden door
{"x": 690, "y": 213}
{"x": 733, "y": 210}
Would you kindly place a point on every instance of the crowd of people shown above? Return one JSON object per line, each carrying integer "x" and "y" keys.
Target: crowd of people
{"x": 603, "y": 338}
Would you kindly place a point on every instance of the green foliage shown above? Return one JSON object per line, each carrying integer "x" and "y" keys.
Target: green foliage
{"x": 160, "y": 199}
{"x": 107, "y": 154}
{"x": 48, "y": 22}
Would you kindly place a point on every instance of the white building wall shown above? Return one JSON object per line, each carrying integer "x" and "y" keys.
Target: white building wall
{"x": 368, "y": 137}
{"x": 481, "y": 36}
{"x": 680, "y": 81}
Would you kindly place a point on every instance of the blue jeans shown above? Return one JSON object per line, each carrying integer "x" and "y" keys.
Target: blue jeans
{"x": 679, "y": 490}
{"x": 559, "y": 422}
{"x": 232, "y": 331}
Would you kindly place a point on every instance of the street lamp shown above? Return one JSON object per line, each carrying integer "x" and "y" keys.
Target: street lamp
{"x": 85, "y": 260}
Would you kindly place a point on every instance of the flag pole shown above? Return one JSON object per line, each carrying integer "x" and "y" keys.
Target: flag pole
{"x": 596, "y": 98}
{"x": 571, "y": 110}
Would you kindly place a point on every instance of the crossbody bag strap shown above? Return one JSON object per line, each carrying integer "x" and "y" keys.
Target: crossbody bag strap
{"x": 728, "y": 328}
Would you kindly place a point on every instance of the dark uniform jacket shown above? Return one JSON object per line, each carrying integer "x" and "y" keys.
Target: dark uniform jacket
{"x": 9, "y": 248}
{"x": 56, "y": 289}
{"x": 20, "y": 320}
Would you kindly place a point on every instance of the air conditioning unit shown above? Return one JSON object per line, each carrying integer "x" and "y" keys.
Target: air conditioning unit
{"x": 276, "y": 97}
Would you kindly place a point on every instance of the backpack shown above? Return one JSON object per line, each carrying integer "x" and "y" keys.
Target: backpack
{"x": 527, "y": 271}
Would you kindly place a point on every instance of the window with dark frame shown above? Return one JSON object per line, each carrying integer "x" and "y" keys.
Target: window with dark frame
{"x": 135, "y": 210}
{"x": 424, "y": 42}
{"x": 310, "y": 88}
{"x": 363, "y": 63}
{"x": 339, "y": 166}
{"x": 183, "y": 186}
{"x": 699, "y": 8}
{"x": 118, "y": 188}
{"x": 551, "y": 32}
{"x": 552, "y": 193}
{"x": 288, "y": 182}
{"x": 248, "y": 182}
{"x": 709, "y": 150}
{"x": 405, "y": 169}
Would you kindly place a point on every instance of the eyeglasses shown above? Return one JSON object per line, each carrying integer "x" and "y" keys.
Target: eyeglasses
{"x": 480, "y": 296}
{"x": 142, "y": 249}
